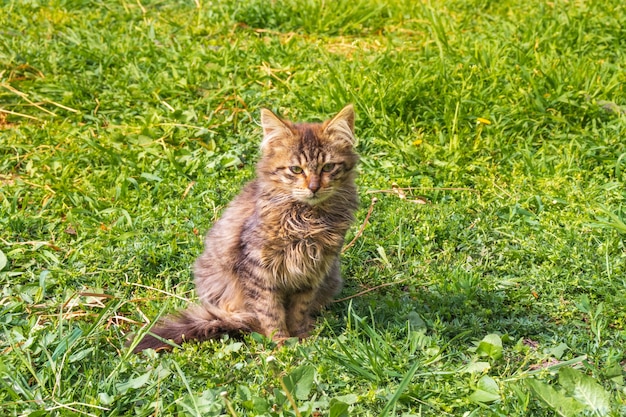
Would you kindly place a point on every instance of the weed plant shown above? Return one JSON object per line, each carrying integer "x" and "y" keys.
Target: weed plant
{"x": 487, "y": 280}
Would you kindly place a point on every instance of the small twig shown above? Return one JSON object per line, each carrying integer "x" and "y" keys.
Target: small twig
{"x": 168, "y": 106}
{"x": 36, "y": 243}
{"x": 143, "y": 10}
{"x": 503, "y": 190}
{"x": 25, "y": 97}
{"x": 62, "y": 106}
{"x": 32, "y": 184}
{"x": 161, "y": 291}
{"x": 20, "y": 114}
{"x": 362, "y": 228}
{"x": 290, "y": 397}
{"x": 65, "y": 316}
{"x": 95, "y": 111}
{"x": 95, "y": 294}
{"x": 387, "y": 284}
{"x": 115, "y": 320}
{"x": 395, "y": 189}
{"x": 191, "y": 184}
{"x": 75, "y": 410}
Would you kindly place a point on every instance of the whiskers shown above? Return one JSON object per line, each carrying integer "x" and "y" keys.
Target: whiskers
{"x": 307, "y": 196}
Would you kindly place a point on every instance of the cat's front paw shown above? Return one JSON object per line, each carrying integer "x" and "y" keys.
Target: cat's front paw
{"x": 301, "y": 332}
{"x": 302, "y": 335}
{"x": 279, "y": 335}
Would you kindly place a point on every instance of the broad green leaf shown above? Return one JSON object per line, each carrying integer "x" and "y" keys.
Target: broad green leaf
{"x": 585, "y": 389}
{"x": 338, "y": 409}
{"x": 557, "y": 401}
{"x": 476, "y": 367}
{"x": 490, "y": 346}
{"x": 43, "y": 276}
{"x": 66, "y": 343}
{"x": 80, "y": 355}
{"x": 251, "y": 402}
{"x": 257, "y": 404}
{"x": 244, "y": 393}
{"x": 105, "y": 399}
{"x": 348, "y": 399}
{"x": 487, "y": 391}
{"x": 151, "y": 177}
{"x": 205, "y": 404}
{"x": 233, "y": 347}
{"x": 3, "y": 260}
{"x": 584, "y": 304}
{"x": 300, "y": 382}
{"x": 558, "y": 351}
{"x": 615, "y": 373}
{"x": 416, "y": 322}
{"x": 383, "y": 256}
{"x": 133, "y": 383}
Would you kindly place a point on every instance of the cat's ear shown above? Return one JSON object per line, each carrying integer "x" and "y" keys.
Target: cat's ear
{"x": 342, "y": 125}
{"x": 273, "y": 128}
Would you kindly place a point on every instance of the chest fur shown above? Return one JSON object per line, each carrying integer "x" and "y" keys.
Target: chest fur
{"x": 296, "y": 248}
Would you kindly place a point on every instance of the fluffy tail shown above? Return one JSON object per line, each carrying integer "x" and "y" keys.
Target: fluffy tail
{"x": 196, "y": 323}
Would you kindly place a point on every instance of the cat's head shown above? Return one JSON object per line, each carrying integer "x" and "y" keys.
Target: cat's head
{"x": 309, "y": 162}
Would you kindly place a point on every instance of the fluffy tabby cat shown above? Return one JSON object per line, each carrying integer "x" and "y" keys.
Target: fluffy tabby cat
{"x": 272, "y": 260}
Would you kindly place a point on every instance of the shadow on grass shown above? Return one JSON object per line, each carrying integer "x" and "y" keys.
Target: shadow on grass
{"x": 448, "y": 314}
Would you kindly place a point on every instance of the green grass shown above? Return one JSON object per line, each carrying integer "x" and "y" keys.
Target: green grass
{"x": 126, "y": 127}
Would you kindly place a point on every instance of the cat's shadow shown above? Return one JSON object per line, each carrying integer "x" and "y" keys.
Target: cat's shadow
{"x": 449, "y": 314}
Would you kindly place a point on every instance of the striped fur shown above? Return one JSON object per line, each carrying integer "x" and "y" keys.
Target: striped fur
{"x": 271, "y": 262}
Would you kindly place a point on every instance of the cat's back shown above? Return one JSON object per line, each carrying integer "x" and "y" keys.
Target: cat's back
{"x": 226, "y": 231}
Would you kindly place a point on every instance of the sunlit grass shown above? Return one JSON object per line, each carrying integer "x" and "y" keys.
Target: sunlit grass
{"x": 491, "y": 136}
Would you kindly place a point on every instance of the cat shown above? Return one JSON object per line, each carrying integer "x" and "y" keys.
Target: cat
{"x": 271, "y": 262}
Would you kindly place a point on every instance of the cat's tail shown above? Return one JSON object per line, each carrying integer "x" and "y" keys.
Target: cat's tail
{"x": 195, "y": 323}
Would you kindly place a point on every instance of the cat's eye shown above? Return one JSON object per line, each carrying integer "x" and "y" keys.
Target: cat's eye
{"x": 328, "y": 167}
{"x": 296, "y": 169}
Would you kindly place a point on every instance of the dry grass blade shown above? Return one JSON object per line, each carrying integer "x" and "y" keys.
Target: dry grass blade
{"x": 370, "y": 210}
{"x": 26, "y": 116}
{"x": 387, "y": 284}
{"x": 24, "y": 96}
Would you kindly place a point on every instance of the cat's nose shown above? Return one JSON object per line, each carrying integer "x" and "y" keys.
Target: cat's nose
{"x": 314, "y": 184}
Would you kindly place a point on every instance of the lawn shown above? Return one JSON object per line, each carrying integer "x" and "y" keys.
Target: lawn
{"x": 487, "y": 266}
